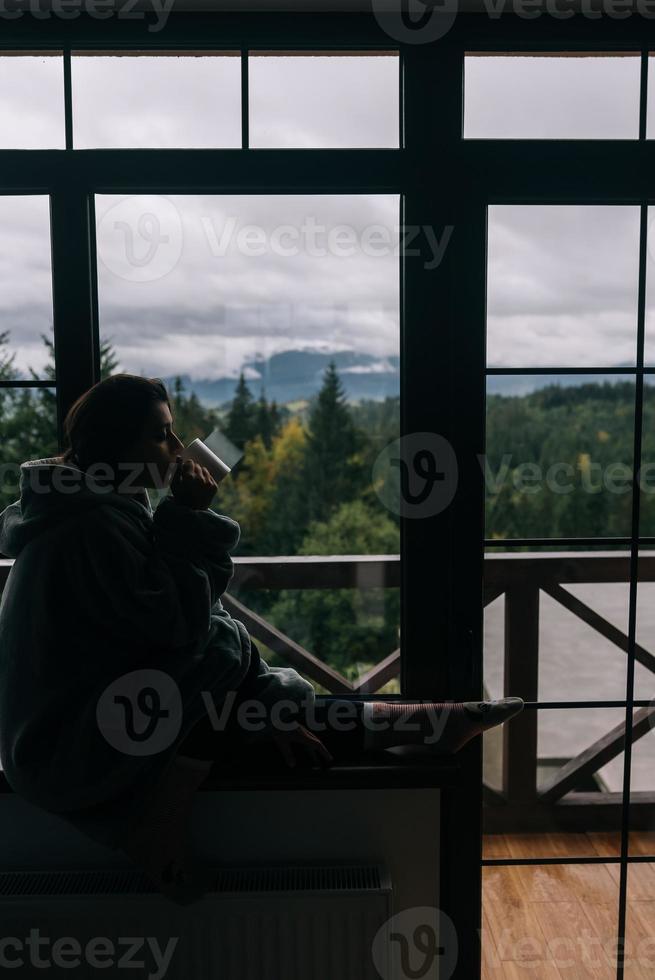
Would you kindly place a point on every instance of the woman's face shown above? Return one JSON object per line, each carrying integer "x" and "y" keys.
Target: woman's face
{"x": 157, "y": 448}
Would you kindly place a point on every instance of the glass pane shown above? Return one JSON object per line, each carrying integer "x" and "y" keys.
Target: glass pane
{"x": 645, "y": 671}
{"x": 28, "y": 430}
{"x": 528, "y": 774}
{"x": 649, "y": 345}
{"x": 351, "y": 630}
{"x": 576, "y": 661}
{"x": 562, "y": 285}
{"x": 650, "y": 106}
{"x": 241, "y": 304}
{"x": 319, "y": 101}
{"x": 549, "y": 922}
{"x": 567, "y": 732}
{"x": 559, "y": 456}
{"x": 32, "y": 102}
{"x": 639, "y": 950}
{"x": 551, "y": 96}
{"x": 642, "y": 783}
{"x": 163, "y": 100}
{"x": 642, "y": 778}
{"x": 26, "y": 328}
{"x": 647, "y": 472}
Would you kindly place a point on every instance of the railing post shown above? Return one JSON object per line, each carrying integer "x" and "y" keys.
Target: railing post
{"x": 521, "y": 679}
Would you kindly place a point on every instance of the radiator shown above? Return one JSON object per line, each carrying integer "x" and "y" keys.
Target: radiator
{"x": 303, "y": 922}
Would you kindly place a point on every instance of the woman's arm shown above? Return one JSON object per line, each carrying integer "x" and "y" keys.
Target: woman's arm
{"x": 157, "y": 589}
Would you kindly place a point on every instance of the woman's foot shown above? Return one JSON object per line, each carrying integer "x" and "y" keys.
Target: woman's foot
{"x": 443, "y": 726}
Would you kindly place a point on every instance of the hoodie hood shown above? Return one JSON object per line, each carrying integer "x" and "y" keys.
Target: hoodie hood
{"x": 52, "y": 492}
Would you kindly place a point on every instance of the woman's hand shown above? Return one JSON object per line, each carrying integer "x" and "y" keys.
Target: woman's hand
{"x": 305, "y": 740}
{"x": 193, "y": 484}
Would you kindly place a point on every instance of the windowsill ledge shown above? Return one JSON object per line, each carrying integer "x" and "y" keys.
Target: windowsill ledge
{"x": 397, "y": 768}
{"x": 402, "y": 767}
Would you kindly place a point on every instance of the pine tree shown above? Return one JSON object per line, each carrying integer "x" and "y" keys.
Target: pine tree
{"x": 332, "y": 471}
{"x": 262, "y": 416}
{"x": 108, "y": 360}
{"x": 285, "y": 528}
{"x": 7, "y": 373}
{"x": 276, "y": 419}
{"x": 241, "y": 425}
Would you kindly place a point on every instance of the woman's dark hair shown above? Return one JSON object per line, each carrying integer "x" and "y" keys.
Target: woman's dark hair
{"x": 109, "y": 417}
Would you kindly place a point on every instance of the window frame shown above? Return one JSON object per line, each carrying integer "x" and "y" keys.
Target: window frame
{"x": 442, "y": 179}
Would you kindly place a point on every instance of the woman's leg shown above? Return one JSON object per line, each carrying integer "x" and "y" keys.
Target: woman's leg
{"x": 204, "y": 741}
{"x": 349, "y": 727}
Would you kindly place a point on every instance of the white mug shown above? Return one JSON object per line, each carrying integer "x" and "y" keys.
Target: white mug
{"x": 202, "y": 454}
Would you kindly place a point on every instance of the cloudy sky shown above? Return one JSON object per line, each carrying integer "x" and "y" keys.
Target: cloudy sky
{"x": 200, "y": 284}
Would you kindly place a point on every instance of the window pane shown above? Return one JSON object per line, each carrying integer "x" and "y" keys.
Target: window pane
{"x": 562, "y": 285}
{"x": 644, "y": 685}
{"x": 642, "y": 778}
{"x": 203, "y": 291}
{"x": 576, "y": 662}
{"x": 318, "y": 101}
{"x": 32, "y": 102}
{"x": 165, "y": 100}
{"x": 650, "y": 107}
{"x": 649, "y": 346}
{"x": 559, "y": 457}
{"x": 531, "y": 790}
{"x": 639, "y": 952}
{"x": 28, "y": 430}
{"x": 647, "y": 471}
{"x": 26, "y": 329}
{"x": 566, "y": 96}
{"x": 642, "y": 782}
{"x": 549, "y": 921}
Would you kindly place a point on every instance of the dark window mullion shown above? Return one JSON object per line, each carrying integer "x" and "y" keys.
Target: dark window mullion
{"x": 72, "y": 297}
{"x": 245, "y": 100}
{"x": 93, "y": 285}
{"x": 513, "y": 371}
{"x": 68, "y": 99}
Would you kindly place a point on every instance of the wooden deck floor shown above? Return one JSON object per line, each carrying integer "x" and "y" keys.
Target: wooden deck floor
{"x": 560, "y": 922}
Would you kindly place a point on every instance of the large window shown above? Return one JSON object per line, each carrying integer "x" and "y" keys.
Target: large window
{"x": 321, "y": 245}
{"x": 568, "y": 515}
{"x": 275, "y": 321}
{"x": 273, "y": 318}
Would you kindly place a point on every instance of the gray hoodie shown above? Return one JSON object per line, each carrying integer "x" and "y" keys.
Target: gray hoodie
{"x": 111, "y": 627}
